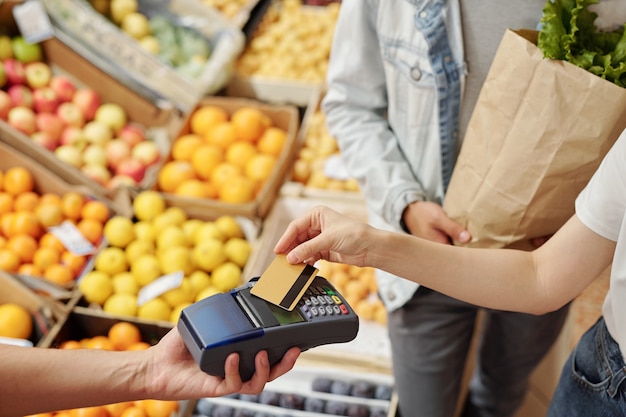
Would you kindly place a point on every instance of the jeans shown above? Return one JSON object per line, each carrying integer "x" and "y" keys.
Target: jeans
{"x": 592, "y": 381}
{"x": 431, "y": 337}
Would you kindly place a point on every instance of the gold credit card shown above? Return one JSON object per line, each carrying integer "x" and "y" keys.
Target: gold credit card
{"x": 283, "y": 284}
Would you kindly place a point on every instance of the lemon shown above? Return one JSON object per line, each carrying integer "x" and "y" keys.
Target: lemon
{"x": 111, "y": 260}
{"x": 207, "y": 292}
{"x": 138, "y": 247}
{"x": 180, "y": 295}
{"x": 121, "y": 304}
{"x": 96, "y": 287}
{"x": 226, "y": 276}
{"x": 238, "y": 250}
{"x": 229, "y": 226}
{"x": 175, "y": 315}
{"x": 144, "y": 230}
{"x": 190, "y": 227}
{"x": 162, "y": 221}
{"x": 145, "y": 269}
{"x": 176, "y": 214}
{"x": 208, "y": 230}
{"x": 148, "y": 204}
{"x": 171, "y": 236}
{"x": 119, "y": 231}
{"x": 125, "y": 283}
{"x": 155, "y": 309}
{"x": 208, "y": 254}
{"x": 175, "y": 258}
{"x": 199, "y": 280}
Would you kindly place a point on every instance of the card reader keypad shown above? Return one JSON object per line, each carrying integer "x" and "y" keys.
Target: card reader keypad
{"x": 321, "y": 301}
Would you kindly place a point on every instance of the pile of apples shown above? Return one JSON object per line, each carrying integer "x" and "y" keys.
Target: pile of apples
{"x": 70, "y": 120}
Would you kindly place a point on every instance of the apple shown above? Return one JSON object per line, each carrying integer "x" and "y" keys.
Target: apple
{"x": 49, "y": 123}
{"x": 112, "y": 115}
{"x": 132, "y": 134}
{"x": 22, "y": 119}
{"x": 45, "y": 100}
{"x": 117, "y": 150}
{"x": 6, "y": 49}
{"x": 97, "y": 173}
{"x": 121, "y": 181}
{"x": 97, "y": 132}
{"x": 146, "y": 152}
{"x": 63, "y": 87}
{"x": 5, "y": 104}
{"x": 87, "y": 101}
{"x": 3, "y": 75}
{"x": 70, "y": 155}
{"x": 45, "y": 139}
{"x": 95, "y": 155}
{"x": 70, "y": 114}
{"x": 14, "y": 71}
{"x": 21, "y": 96}
{"x": 131, "y": 168}
{"x": 25, "y": 51}
{"x": 38, "y": 74}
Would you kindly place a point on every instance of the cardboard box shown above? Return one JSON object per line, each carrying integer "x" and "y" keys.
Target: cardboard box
{"x": 105, "y": 44}
{"x": 282, "y": 116}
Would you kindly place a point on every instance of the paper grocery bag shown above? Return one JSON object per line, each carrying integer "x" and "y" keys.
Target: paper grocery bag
{"x": 539, "y": 130}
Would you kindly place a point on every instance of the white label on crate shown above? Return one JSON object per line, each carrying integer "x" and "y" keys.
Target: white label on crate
{"x": 335, "y": 169}
{"x": 72, "y": 239}
{"x": 33, "y": 21}
{"x": 159, "y": 286}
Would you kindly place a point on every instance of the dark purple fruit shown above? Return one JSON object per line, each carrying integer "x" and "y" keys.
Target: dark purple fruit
{"x": 358, "y": 410}
{"x": 363, "y": 389}
{"x": 315, "y": 405}
{"x": 269, "y": 398}
{"x": 292, "y": 401}
{"x": 383, "y": 392}
{"x": 336, "y": 408}
{"x": 321, "y": 384}
{"x": 340, "y": 387}
{"x": 378, "y": 412}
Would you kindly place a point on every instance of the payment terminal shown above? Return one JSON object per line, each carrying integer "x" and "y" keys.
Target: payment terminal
{"x": 238, "y": 321}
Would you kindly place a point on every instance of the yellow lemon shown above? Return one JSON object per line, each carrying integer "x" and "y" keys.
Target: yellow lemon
{"x": 125, "y": 283}
{"x": 175, "y": 315}
{"x": 145, "y": 269}
{"x": 174, "y": 259}
{"x": 208, "y": 254}
{"x": 176, "y": 214}
{"x": 229, "y": 226}
{"x": 119, "y": 231}
{"x": 208, "y": 230}
{"x": 144, "y": 230}
{"x": 138, "y": 247}
{"x": 121, "y": 304}
{"x": 171, "y": 236}
{"x": 199, "y": 280}
{"x": 207, "y": 292}
{"x": 226, "y": 276}
{"x": 148, "y": 204}
{"x": 96, "y": 287}
{"x": 155, "y": 309}
{"x": 238, "y": 250}
{"x": 180, "y": 295}
{"x": 190, "y": 227}
{"x": 111, "y": 260}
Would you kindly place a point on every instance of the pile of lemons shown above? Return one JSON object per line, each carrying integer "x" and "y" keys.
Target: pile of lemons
{"x": 162, "y": 241}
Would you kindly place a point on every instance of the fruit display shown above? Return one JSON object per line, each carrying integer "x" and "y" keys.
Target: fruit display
{"x": 291, "y": 42}
{"x": 313, "y": 165}
{"x": 27, "y": 243}
{"x": 162, "y": 246}
{"x": 71, "y": 120}
{"x": 232, "y": 9}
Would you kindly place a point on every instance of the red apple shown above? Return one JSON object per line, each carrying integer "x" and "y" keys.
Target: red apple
{"x": 87, "y": 101}
{"x": 45, "y": 139}
{"x": 117, "y": 150}
{"x": 97, "y": 173}
{"x": 22, "y": 119}
{"x": 49, "y": 123}
{"x": 70, "y": 115}
{"x": 131, "y": 168}
{"x": 63, "y": 87}
{"x": 5, "y": 104}
{"x": 70, "y": 155}
{"x": 38, "y": 74}
{"x": 146, "y": 152}
{"x": 121, "y": 181}
{"x": 14, "y": 71}
{"x": 21, "y": 96}
{"x": 73, "y": 136}
{"x": 45, "y": 100}
{"x": 132, "y": 133}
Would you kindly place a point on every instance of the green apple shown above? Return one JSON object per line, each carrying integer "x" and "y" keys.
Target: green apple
{"x": 25, "y": 51}
{"x": 6, "y": 49}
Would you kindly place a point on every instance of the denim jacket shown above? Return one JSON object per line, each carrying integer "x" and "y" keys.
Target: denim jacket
{"x": 394, "y": 90}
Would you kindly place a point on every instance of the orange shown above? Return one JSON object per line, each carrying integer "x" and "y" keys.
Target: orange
{"x": 249, "y": 123}
{"x": 98, "y": 411}
{"x": 237, "y": 190}
{"x": 26, "y": 222}
{"x": 221, "y": 135}
{"x": 272, "y": 141}
{"x": 74, "y": 262}
{"x": 59, "y": 274}
{"x": 6, "y": 202}
{"x": 70, "y": 344}
{"x": 49, "y": 215}
{"x": 239, "y": 153}
{"x": 260, "y": 167}
{"x": 30, "y": 269}
{"x": 18, "y": 180}
{"x": 9, "y": 260}
{"x": 99, "y": 342}
{"x": 50, "y": 198}
{"x": 42, "y": 415}
{"x": 72, "y": 205}
{"x": 173, "y": 173}
{"x": 45, "y": 256}
{"x": 159, "y": 408}
{"x": 123, "y": 334}
{"x": 205, "y": 159}
{"x": 6, "y": 224}
{"x": 91, "y": 229}
{"x": 95, "y": 210}
{"x": 26, "y": 201}
{"x": 206, "y": 117}
{"x": 193, "y": 188}
{"x": 133, "y": 411}
{"x": 15, "y": 321}
{"x": 51, "y": 241}
{"x": 139, "y": 346}
{"x": 116, "y": 409}
{"x": 24, "y": 246}
{"x": 223, "y": 172}
{"x": 185, "y": 146}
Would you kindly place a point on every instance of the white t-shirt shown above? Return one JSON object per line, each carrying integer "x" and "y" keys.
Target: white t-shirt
{"x": 601, "y": 206}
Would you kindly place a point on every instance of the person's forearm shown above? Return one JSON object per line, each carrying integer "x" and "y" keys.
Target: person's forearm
{"x": 34, "y": 380}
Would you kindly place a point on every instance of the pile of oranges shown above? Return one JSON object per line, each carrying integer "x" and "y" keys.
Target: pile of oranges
{"x": 26, "y": 244}
{"x": 121, "y": 336}
{"x": 224, "y": 157}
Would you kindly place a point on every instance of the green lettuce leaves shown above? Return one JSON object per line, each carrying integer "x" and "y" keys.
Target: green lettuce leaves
{"x": 568, "y": 32}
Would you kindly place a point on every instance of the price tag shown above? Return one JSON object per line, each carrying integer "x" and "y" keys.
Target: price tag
{"x": 335, "y": 169}
{"x": 160, "y": 286}
{"x": 72, "y": 239}
{"x": 33, "y": 21}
